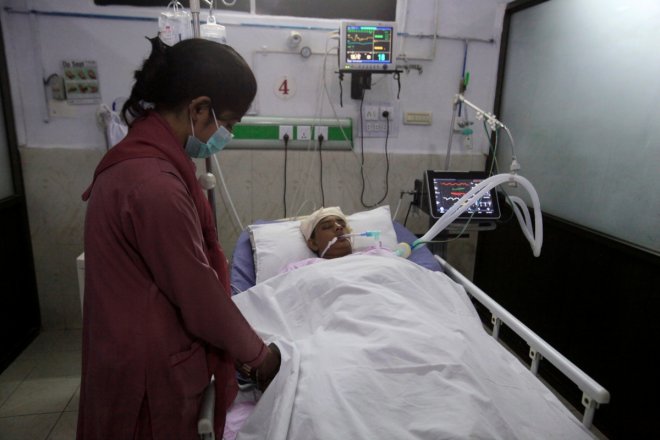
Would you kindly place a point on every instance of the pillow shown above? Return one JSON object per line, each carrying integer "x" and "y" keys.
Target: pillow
{"x": 378, "y": 219}
{"x": 277, "y": 244}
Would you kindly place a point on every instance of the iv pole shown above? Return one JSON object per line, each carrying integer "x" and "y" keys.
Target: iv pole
{"x": 194, "y": 10}
{"x": 481, "y": 115}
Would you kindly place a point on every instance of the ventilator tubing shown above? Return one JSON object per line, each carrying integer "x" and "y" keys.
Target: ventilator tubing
{"x": 533, "y": 234}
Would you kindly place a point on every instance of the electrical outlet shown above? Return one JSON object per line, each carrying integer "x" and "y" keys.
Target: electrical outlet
{"x": 303, "y": 132}
{"x": 379, "y": 126}
{"x": 286, "y": 129}
{"x": 321, "y": 130}
{"x": 370, "y": 112}
{"x": 386, "y": 108}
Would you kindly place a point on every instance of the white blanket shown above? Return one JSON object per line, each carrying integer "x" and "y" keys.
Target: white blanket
{"x": 376, "y": 347}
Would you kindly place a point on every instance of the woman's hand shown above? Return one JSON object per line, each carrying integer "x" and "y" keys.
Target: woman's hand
{"x": 268, "y": 369}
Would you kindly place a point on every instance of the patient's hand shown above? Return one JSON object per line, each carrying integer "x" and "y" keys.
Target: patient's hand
{"x": 268, "y": 369}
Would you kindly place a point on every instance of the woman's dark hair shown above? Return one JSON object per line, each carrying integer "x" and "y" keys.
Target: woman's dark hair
{"x": 174, "y": 76}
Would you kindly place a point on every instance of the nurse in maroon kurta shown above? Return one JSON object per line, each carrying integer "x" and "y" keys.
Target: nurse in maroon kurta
{"x": 158, "y": 319}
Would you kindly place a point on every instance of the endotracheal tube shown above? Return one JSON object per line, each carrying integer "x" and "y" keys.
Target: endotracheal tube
{"x": 373, "y": 234}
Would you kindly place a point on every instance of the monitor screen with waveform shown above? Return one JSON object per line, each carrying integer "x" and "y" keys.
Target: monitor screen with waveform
{"x": 446, "y": 188}
{"x": 367, "y": 46}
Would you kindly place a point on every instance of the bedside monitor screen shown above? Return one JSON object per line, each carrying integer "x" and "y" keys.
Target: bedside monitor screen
{"x": 367, "y": 45}
{"x": 446, "y": 188}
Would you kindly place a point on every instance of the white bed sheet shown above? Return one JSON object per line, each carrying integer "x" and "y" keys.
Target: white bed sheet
{"x": 377, "y": 347}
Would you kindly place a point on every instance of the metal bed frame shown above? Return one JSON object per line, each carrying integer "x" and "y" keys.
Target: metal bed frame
{"x": 593, "y": 394}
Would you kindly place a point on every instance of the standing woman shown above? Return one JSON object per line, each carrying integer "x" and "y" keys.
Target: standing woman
{"x": 158, "y": 318}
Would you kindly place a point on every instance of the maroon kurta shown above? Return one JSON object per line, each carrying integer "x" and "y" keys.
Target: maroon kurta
{"x": 158, "y": 318}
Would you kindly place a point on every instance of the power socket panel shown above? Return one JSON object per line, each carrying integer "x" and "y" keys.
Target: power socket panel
{"x": 286, "y": 129}
{"x": 380, "y": 127}
{"x": 303, "y": 132}
{"x": 390, "y": 112}
{"x": 370, "y": 113}
{"x": 321, "y": 130}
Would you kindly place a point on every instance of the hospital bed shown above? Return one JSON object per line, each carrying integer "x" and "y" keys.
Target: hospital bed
{"x": 386, "y": 347}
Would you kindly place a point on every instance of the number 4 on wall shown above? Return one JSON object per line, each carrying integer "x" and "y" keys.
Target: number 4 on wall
{"x": 285, "y": 87}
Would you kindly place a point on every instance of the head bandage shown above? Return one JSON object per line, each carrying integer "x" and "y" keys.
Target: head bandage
{"x": 308, "y": 224}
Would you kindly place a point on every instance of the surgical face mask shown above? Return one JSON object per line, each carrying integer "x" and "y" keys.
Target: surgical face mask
{"x": 201, "y": 150}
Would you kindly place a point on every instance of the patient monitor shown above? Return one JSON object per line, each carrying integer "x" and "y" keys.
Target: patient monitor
{"x": 366, "y": 47}
{"x": 442, "y": 189}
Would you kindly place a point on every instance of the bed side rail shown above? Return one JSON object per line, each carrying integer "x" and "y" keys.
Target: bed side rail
{"x": 593, "y": 394}
{"x": 205, "y": 429}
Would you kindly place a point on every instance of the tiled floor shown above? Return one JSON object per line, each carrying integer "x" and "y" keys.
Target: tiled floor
{"x": 39, "y": 390}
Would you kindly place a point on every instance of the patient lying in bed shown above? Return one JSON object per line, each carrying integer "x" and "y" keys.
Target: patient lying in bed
{"x": 380, "y": 347}
{"x": 327, "y": 233}
{"x": 266, "y": 246}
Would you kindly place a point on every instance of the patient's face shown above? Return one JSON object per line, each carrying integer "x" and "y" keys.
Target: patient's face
{"x": 327, "y": 229}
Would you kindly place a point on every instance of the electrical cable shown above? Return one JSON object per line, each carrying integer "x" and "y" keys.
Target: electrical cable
{"x": 494, "y": 168}
{"x": 362, "y": 150}
{"x": 327, "y": 92}
{"x": 407, "y": 213}
{"x": 495, "y": 134}
{"x": 397, "y": 77}
{"x": 285, "y": 138}
{"x": 398, "y": 205}
{"x": 224, "y": 186}
{"x": 387, "y": 160}
{"x": 302, "y": 191}
{"x": 387, "y": 155}
{"x": 320, "y": 138}
{"x": 463, "y": 84}
{"x": 362, "y": 142}
{"x": 341, "y": 89}
{"x": 511, "y": 202}
{"x": 451, "y": 136}
{"x": 459, "y": 234}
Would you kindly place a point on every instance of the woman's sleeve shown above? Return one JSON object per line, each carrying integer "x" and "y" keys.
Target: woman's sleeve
{"x": 168, "y": 234}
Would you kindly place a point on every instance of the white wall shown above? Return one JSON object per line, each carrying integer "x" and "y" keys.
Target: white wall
{"x": 38, "y": 42}
{"x": 59, "y": 153}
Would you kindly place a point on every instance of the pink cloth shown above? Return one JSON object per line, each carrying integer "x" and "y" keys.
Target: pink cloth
{"x": 158, "y": 318}
{"x": 236, "y": 417}
{"x": 372, "y": 250}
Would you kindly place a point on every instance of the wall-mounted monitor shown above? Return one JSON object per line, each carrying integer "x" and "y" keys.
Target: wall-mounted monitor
{"x": 367, "y": 45}
{"x": 445, "y": 188}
